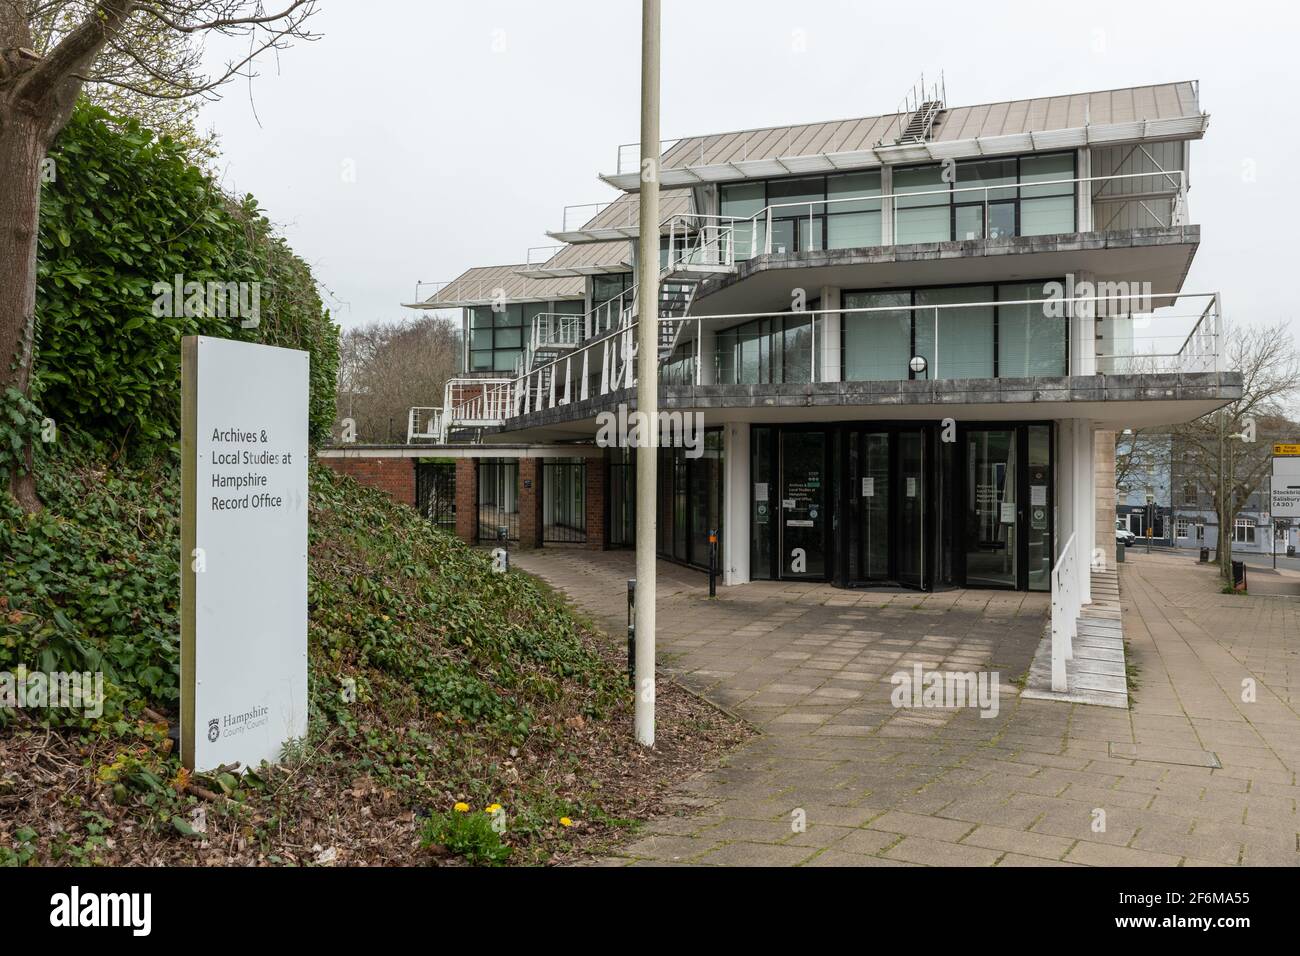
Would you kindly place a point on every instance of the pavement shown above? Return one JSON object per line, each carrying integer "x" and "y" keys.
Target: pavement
{"x": 1199, "y": 770}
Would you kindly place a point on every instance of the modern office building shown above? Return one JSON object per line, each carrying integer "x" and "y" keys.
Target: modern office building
{"x": 908, "y": 339}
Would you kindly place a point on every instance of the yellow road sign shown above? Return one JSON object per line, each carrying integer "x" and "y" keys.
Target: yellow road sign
{"x": 1280, "y": 448}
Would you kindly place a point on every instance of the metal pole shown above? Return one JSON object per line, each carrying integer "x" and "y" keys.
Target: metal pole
{"x": 647, "y": 386}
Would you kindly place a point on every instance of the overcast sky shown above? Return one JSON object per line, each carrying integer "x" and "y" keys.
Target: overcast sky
{"x": 417, "y": 139}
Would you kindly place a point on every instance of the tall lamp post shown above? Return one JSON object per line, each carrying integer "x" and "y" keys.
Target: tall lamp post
{"x": 647, "y": 380}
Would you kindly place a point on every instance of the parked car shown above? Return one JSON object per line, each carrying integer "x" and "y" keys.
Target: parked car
{"x": 1125, "y": 535}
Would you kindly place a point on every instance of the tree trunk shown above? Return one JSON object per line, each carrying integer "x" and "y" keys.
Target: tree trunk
{"x": 21, "y": 151}
{"x": 1225, "y": 545}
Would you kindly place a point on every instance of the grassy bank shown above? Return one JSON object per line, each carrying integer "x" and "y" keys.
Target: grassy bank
{"x": 434, "y": 682}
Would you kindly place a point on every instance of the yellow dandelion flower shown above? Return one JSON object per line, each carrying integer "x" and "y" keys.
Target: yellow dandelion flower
{"x": 492, "y": 809}
{"x": 565, "y": 822}
{"x": 461, "y": 808}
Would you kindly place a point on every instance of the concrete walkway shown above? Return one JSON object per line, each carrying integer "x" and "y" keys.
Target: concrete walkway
{"x": 1192, "y": 774}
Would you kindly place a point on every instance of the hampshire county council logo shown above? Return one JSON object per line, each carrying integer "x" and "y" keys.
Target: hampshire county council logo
{"x": 214, "y": 730}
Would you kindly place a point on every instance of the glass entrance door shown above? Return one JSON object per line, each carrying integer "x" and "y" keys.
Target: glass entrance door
{"x": 912, "y": 510}
{"x": 802, "y": 552}
{"x": 868, "y": 500}
{"x": 992, "y": 512}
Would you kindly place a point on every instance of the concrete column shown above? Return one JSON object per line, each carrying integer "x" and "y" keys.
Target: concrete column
{"x": 1084, "y": 330}
{"x": 1063, "y": 523}
{"x": 735, "y": 498}
{"x": 1084, "y": 506}
{"x": 530, "y": 503}
{"x": 467, "y": 499}
{"x": 829, "y": 360}
{"x": 886, "y": 212}
{"x": 708, "y": 365}
{"x": 1083, "y": 213}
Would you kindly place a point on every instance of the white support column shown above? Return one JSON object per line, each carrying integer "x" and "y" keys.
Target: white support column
{"x": 1066, "y": 478}
{"x": 887, "y": 206}
{"x": 1084, "y": 210}
{"x": 735, "y": 497}
{"x": 708, "y": 365}
{"x": 1083, "y": 329}
{"x": 829, "y": 361}
{"x": 1084, "y": 503}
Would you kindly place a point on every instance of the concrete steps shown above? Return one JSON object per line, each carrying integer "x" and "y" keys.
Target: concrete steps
{"x": 1097, "y": 673}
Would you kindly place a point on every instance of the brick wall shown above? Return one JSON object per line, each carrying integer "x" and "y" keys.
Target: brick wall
{"x": 395, "y": 477}
{"x": 597, "y": 473}
{"x": 530, "y": 503}
{"x": 467, "y": 499}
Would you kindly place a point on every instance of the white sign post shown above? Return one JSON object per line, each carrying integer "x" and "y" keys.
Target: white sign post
{"x": 244, "y": 551}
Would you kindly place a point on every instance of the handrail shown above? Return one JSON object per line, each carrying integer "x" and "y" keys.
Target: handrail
{"x": 1066, "y": 604}
{"x": 429, "y": 416}
{"x": 766, "y": 213}
{"x": 562, "y": 376}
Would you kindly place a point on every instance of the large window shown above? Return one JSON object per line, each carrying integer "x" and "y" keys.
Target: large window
{"x": 1030, "y": 342}
{"x": 608, "y": 286}
{"x": 984, "y": 338}
{"x": 877, "y": 345}
{"x": 497, "y": 337}
{"x": 767, "y": 351}
{"x": 987, "y": 198}
{"x": 1243, "y": 531}
{"x": 802, "y": 219}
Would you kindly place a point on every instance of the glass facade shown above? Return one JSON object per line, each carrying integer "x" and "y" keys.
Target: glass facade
{"x": 768, "y": 351}
{"x": 976, "y": 199}
{"x": 497, "y": 337}
{"x": 811, "y": 212}
{"x": 863, "y": 503}
{"x": 980, "y": 340}
{"x": 689, "y": 504}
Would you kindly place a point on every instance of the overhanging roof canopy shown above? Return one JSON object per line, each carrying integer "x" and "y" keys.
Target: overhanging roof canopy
{"x": 1146, "y": 113}
{"x": 484, "y": 285}
{"x": 586, "y": 259}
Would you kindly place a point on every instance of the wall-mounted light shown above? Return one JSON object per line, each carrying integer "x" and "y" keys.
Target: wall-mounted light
{"x": 918, "y": 365}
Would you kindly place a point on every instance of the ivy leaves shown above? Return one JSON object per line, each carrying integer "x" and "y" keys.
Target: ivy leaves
{"x": 127, "y": 211}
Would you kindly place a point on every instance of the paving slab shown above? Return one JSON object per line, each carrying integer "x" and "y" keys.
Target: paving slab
{"x": 1190, "y": 771}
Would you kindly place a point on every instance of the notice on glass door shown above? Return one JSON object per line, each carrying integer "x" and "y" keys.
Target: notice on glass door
{"x": 911, "y": 487}
{"x": 1038, "y": 495}
{"x": 868, "y": 487}
{"x": 1008, "y": 512}
{"x": 760, "y": 491}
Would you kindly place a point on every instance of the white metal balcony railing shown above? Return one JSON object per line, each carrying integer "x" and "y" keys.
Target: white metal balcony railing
{"x": 1067, "y": 602}
{"x": 691, "y": 247}
{"x": 723, "y": 241}
{"x": 424, "y": 424}
{"x": 988, "y": 211}
{"x": 1123, "y": 328}
{"x": 1140, "y": 333}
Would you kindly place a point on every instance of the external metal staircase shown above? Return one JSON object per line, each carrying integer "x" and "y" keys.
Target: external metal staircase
{"x": 921, "y": 106}
{"x": 675, "y": 297}
{"x": 921, "y": 122}
{"x": 698, "y": 249}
